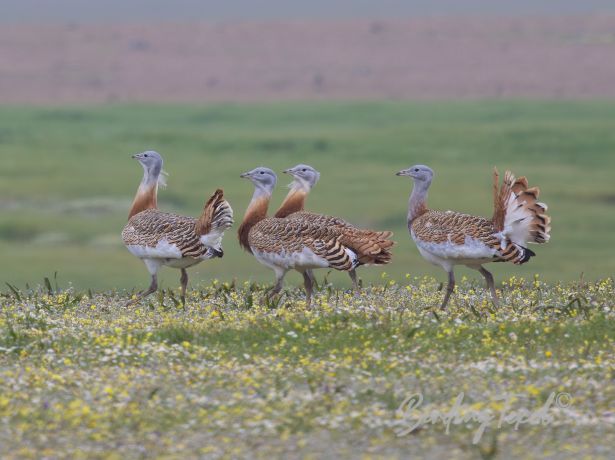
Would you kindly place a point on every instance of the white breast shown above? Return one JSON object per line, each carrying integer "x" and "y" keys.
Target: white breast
{"x": 446, "y": 254}
{"x": 181, "y": 263}
{"x": 163, "y": 250}
{"x": 293, "y": 260}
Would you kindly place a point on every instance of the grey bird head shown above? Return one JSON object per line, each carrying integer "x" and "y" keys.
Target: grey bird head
{"x": 304, "y": 175}
{"x": 149, "y": 159}
{"x": 420, "y": 173}
{"x": 152, "y": 164}
{"x": 262, "y": 178}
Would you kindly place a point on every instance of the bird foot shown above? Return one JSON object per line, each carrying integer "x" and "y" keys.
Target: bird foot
{"x": 132, "y": 302}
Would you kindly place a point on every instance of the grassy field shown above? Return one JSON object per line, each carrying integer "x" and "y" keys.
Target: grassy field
{"x": 66, "y": 178}
{"x": 229, "y": 377}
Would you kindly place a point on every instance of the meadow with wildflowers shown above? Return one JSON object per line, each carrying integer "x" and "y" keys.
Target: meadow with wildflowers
{"x": 232, "y": 376}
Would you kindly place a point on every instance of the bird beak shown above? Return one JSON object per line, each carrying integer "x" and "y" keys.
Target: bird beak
{"x": 288, "y": 171}
{"x": 135, "y": 156}
{"x": 403, "y": 172}
{"x": 244, "y": 175}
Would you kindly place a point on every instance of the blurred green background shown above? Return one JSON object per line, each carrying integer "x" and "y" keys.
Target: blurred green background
{"x": 67, "y": 179}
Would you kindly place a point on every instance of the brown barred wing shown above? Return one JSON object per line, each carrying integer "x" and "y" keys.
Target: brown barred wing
{"x": 175, "y": 235}
{"x": 441, "y": 227}
{"x": 292, "y": 236}
{"x": 372, "y": 247}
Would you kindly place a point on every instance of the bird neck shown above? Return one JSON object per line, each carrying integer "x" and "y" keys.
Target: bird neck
{"x": 294, "y": 201}
{"x": 257, "y": 211}
{"x": 147, "y": 193}
{"x": 417, "y": 204}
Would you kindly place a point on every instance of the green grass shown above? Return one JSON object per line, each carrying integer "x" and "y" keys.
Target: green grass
{"x": 82, "y": 376}
{"x": 66, "y": 178}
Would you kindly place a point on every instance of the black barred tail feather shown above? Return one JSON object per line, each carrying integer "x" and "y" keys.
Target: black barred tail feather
{"x": 338, "y": 256}
{"x": 519, "y": 216}
{"x": 223, "y": 217}
{"x": 217, "y": 217}
{"x": 212, "y": 253}
{"x": 372, "y": 248}
{"x": 516, "y": 254}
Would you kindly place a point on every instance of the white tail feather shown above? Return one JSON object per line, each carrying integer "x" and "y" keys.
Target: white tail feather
{"x": 222, "y": 219}
{"x": 525, "y": 218}
{"x": 517, "y": 221}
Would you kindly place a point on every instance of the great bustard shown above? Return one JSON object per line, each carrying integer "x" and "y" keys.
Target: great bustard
{"x": 161, "y": 238}
{"x": 287, "y": 244}
{"x": 451, "y": 238}
{"x": 372, "y": 247}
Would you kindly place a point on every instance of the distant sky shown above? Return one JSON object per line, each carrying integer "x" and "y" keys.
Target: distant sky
{"x": 13, "y": 11}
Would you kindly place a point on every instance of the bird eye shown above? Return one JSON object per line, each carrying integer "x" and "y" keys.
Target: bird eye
{"x": 262, "y": 172}
{"x": 145, "y": 155}
{"x": 304, "y": 170}
{"x": 416, "y": 169}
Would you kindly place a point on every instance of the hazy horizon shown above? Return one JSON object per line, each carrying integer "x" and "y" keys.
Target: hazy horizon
{"x": 160, "y": 10}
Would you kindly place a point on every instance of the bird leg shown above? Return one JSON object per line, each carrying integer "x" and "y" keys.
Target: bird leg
{"x": 355, "y": 283}
{"x": 278, "y": 285}
{"x": 308, "y": 283}
{"x": 489, "y": 278}
{"x": 153, "y": 287}
{"x": 184, "y": 283}
{"x": 275, "y": 289}
{"x": 449, "y": 288}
